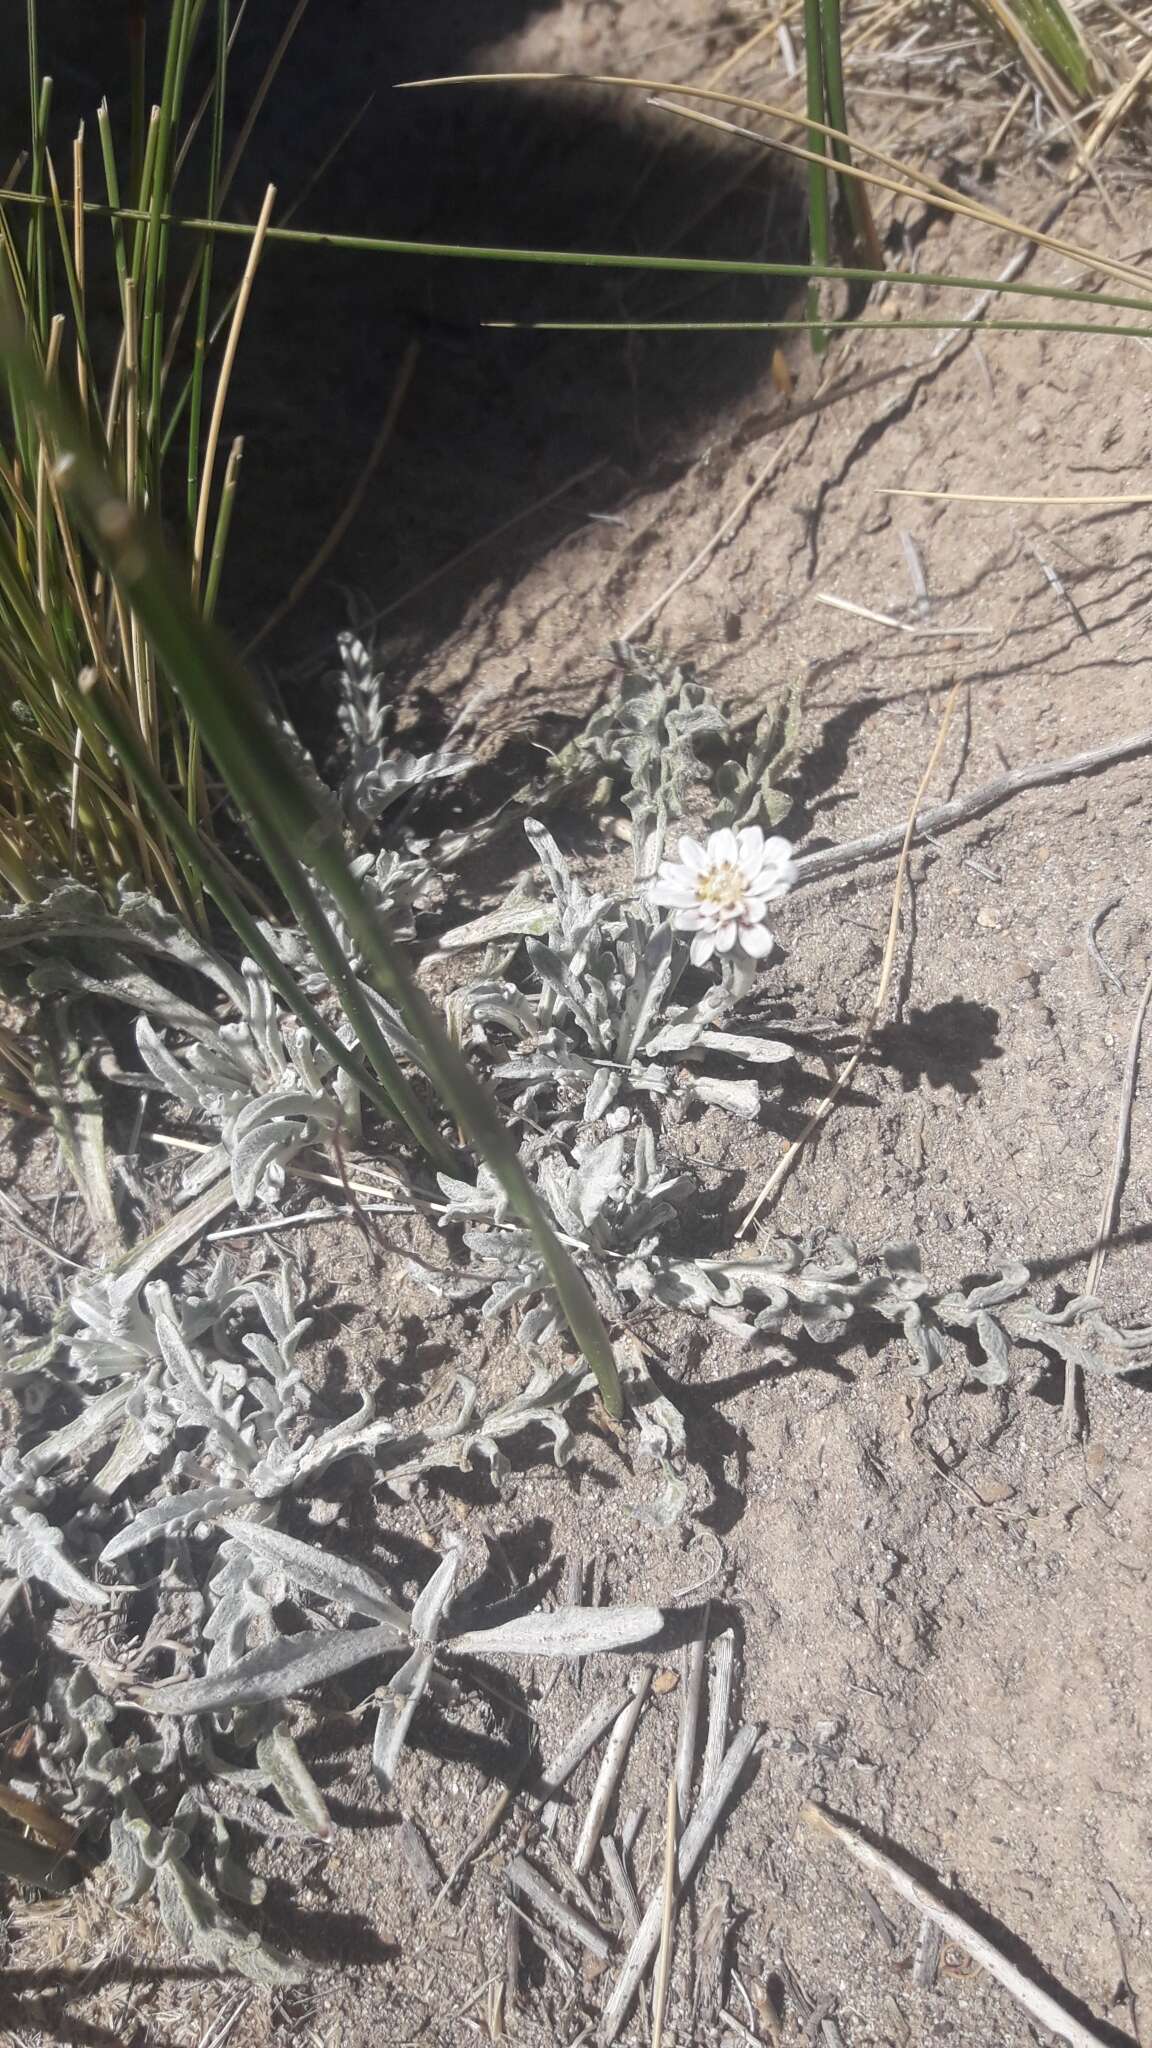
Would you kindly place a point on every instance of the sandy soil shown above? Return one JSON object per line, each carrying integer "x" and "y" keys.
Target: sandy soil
{"x": 941, "y": 1606}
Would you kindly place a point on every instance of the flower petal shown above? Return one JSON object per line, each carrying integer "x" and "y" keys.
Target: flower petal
{"x": 693, "y": 855}
{"x": 756, "y": 940}
{"x": 722, "y": 848}
{"x": 751, "y": 844}
{"x": 690, "y": 920}
{"x": 703, "y": 947}
{"x": 753, "y": 910}
{"x": 674, "y": 895}
{"x": 726, "y": 937}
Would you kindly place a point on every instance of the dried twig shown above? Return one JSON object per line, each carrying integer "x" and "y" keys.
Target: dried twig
{"x": 587, "y": 1735}
{"x": 667, "y": 1918}
{"x": 622, "y": 1886}
{"x": 1104, "y": 968}
{"x": 824, "y": 1108}
{"x": 1111, "y": 1200}
{"x": 915, "y": 628}
{"x": 1042, "y": 2006}
{"x": 926, "y": 1961}
{"x": 831, "y": 860}
{"x": 524, "y": 1878}
{"x": 695, "y": 1662}
{"x": 719, "y": 1708}
{"x": 693, "y": 1843}
{"x": 609, "y": 1775}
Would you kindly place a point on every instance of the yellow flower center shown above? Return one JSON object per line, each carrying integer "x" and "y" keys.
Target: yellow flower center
{"x": 724, "y": 885}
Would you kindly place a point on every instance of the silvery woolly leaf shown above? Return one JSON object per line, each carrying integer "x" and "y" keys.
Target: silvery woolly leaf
{"x": 318, "y": 1571}
{"x": 202, "y": 1926}
{"x": 603, "y": 1089}
{"x": 668, "y": 1508}
{"x": 557, "y": 1185}
{"x": 739, "y": 1098}
{"x": 33, "y": 1549}
{"x": 175, "y": 1515}
{"x": 599, "y": 1178}
{"x": 431, "y": 1602}
{"x": 564, "y": 1632}
{"x": 996, "y": 1368}
{"x": 289, "y": 1776}
{"x": 643, "y": 1003}
{"x": 1011, "y": 1283}
{"x": 278, "y": 1671}
{"x": 256, "y": 1159}
{"x": 168, "y": 1071}
{"x": 761, "y": 1052}
{"x": 526, "y": 917}
{"x": 402, "y": 1695}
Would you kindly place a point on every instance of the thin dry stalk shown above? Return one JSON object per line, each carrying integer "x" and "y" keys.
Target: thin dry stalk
{"x": 622, "y": 1886}
{"x": 1107, "y": 1224}
{"x": 594, "y": 1725}
{"x": 223, "y": 380}
{"x": 1122, "y": 101}
{"x": 823, "y": 1109}
{"x": 667, "y": 1918}
{"x": 531, "y": 1884}
{"x": 832, "y": 860}
{"x": 611, "y": 1770}
{"x": 1046, "y": 2010}
{"x": 915, "y": 629}
{"x": 695, "y": 1662}
{"x": 1014, "y": 498}
{"x": 693, "y": 1843}
{"x": 719, "y": 1707}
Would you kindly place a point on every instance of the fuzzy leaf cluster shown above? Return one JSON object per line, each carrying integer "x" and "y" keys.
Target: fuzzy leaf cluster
{"x": 824, "y": 1290}
{"x": 595, "y": 1015}
{"x": 378, "y": 775}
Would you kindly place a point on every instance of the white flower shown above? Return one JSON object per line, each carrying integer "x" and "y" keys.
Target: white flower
{"x": 722, "y": 891}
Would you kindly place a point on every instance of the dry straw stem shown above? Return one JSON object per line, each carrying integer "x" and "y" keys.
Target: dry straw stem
{"x": 695, "y": 1664}
{"x": 1040, "y": 2004}
{"x": 1122, "y": 101}
{"x": 693, "y": 1844}
{"x": 667, "y": 1917}
{"x": 528, "y": 1883}
{"x": 224, "y": 379}
{"x": 719, "y": 1708}
{"x": 1107, "y": 1224}
{"x": 832, "y": 860}
{"x": 823, "y": 1109}
{"x": 594, "y": 1725}
{"x": 914, "y": 628}
{"x": 1010, "y": 497}
{"x": 909, "y": 181}
{"x": 622, "y": 1885}
{"x": 610, "y": 1773}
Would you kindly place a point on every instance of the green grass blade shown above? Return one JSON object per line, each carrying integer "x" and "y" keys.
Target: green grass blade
{"x": 819, "y": 200}
{"x": 583, "y": 259}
